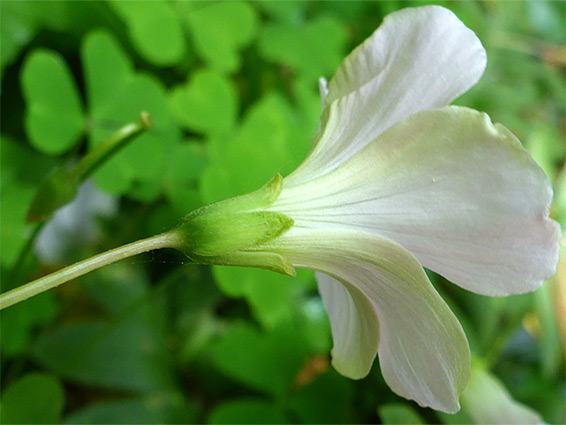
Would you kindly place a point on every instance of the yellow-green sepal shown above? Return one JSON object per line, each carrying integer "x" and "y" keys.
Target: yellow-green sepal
{"x": 231, "y": 232}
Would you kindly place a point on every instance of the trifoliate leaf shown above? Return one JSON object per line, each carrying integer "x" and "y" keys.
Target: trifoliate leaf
{"x": 155, "y": 30}
{"x": 118, "y": 95}
{"x": 221, "y": 29}
{"x": 207, "y": 103}
{"x": 54, "y": 117}
{"x": 107, "y": 69}
{"x": 313, "y": 49}
{"x": 186, "y": 160}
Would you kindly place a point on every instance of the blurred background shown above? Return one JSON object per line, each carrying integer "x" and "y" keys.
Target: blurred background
{"x": 232, "y": 91}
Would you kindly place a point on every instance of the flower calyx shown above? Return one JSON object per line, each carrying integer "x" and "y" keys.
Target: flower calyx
{"x": 231, "y": 232}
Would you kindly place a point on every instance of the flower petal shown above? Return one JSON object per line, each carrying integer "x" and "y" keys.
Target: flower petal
{"x": 418, "y": 59}
{"x": 355, "y": 326}
{"x": 457, "y": 191}
{"x": 423, "y": 351}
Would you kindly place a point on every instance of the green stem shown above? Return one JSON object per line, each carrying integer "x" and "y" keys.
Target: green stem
{"x": 117, "y": 140}
{"x": 21, "y": 293}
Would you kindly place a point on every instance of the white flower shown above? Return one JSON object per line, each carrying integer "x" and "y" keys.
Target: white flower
{"x": 397, "y": 180}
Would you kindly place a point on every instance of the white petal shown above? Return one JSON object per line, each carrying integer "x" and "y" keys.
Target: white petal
{"x": 457, "y": 191}
{"x": 423, "y": 351}
{"x": 355, "y": 326}
{"x": 418, "y": 59}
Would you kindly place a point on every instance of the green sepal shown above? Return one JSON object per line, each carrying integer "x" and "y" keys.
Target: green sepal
{"x": 57, "y": 189}
{"x": 231, "y": 232}
{"x": 261, "y": 259}
{"x": 217, "y": 234}
{"x": 261, "y": 198}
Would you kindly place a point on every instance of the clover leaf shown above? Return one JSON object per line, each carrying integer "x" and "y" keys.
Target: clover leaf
{"x": 207, "y": 103}
{"x": 54, "y": 115}
{"x": 219, "y": 30}
{"x": 155, "y": 30}
{"x": 313, "y": 48}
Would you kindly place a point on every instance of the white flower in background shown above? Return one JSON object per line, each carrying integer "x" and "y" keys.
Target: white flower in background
{"x": 397, "y": 180}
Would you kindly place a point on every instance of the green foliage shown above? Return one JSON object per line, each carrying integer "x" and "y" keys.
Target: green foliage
{"x": 54, "y": 117}
{"x": 206, "y": 104}
{"x": 396, "y": 413}
{"x": 34, "y": 398}
{"x": 220, "y": 30}
{"x": 155, "y": 30}
{"x": 232, "y": 88}
{"x": 131, "y": 337}
{"x": 246, "y": 411}
{"x": 311, "y": 50}
{"x": 267, "y": 362}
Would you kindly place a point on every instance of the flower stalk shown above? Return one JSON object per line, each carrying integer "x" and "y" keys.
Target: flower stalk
{"x": 16, "y": 295}
{"x": 62, "y": 184}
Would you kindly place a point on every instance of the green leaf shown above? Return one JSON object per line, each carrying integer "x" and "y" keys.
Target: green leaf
{"x": 54, "y": 117}
{"x": 15, "y": 31}
{"x": 221, "y": 29}
{"x": 33, "y": 399}
{"x": 21, "y": 169}
{"x": 282, "y": 148}
{"x": 267, "y": 361}
{"x": 155, "y": 30}
{"x": 284, "y": 144}
{"x": 328, "y": 399}
{"x": 20, "y": 322}
{"x": 107, "y": 70}
{"x": 14, "y": 202}
{"x": 206, "y": 104}
{"x": 284, "y": 11}
{"x": 58, "y": 189}
{"x": 125, "y": 352}
{"x": 118, "y": 95}
{"x": 151, "y": 409}
{"x": 313, "y": 48}
{"x": 186, "y": 162}
{"x": 398, "y": 413}
{"x": 246, "y": 411}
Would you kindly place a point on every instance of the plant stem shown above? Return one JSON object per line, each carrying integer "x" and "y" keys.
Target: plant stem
{"x": 117, "y": 140}
{"x": 21, "y": 293}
